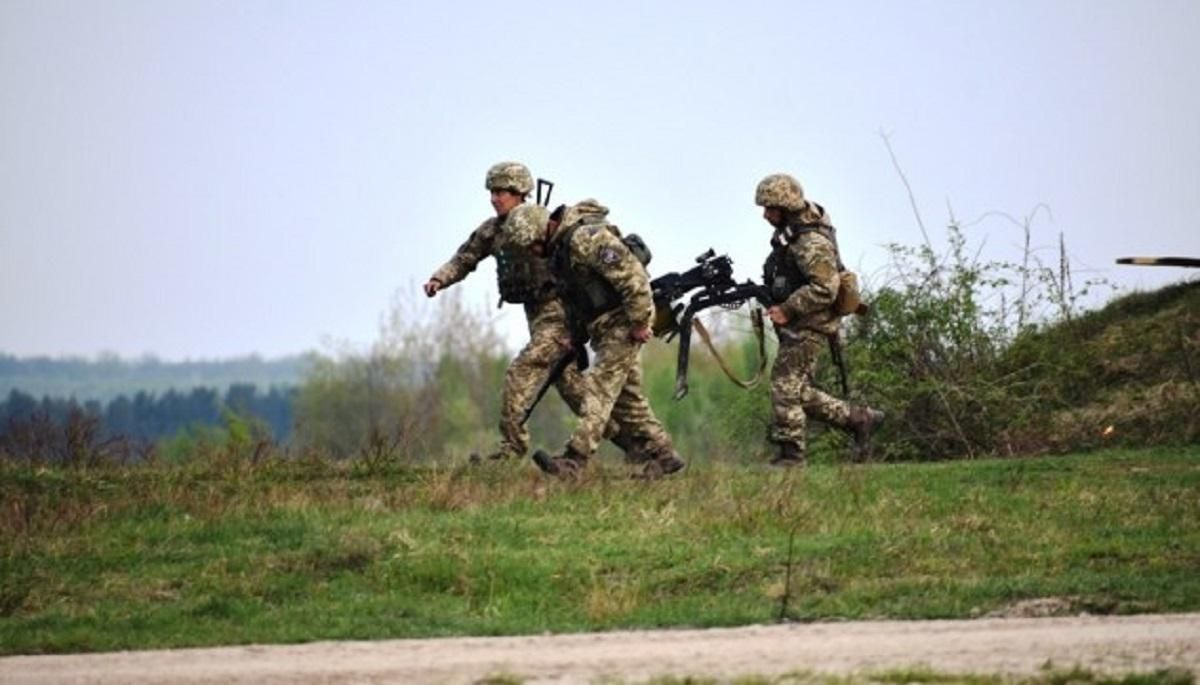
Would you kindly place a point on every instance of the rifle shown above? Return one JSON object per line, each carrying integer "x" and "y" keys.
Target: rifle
{"x": 712, "y": 277}
{"x": 577, "y": 354}
{"x": 835, "y": 353}
{"x": 549, "y": 186}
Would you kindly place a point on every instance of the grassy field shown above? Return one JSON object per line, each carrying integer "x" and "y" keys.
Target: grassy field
{"x": 230, "y": 552}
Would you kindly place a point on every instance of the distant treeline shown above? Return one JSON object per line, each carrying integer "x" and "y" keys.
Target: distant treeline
{"x": 106, "y": 377}
{"x": 148, "y": 416}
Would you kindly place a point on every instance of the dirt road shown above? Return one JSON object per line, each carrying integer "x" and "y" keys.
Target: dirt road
{"x": 1102, "y": 644}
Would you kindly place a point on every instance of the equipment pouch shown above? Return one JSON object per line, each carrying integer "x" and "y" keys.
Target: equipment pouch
{"x": 514, "y": 278}
{"x": 849, "y": 296}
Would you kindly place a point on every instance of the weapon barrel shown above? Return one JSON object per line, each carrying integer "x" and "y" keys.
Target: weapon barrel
{"x": 1193, "y": 262}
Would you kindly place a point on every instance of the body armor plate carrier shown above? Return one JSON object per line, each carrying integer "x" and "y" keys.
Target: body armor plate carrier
{"x": 782, "y": 275}
{"x": 522, "y": 277}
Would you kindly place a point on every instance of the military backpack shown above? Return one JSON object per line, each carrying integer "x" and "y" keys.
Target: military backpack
{"x": 589, "y": 295}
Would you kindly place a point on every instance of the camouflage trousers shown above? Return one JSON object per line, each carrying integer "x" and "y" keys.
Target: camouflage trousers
{"x": 529, "y": 370}
{"x": 793, "y": 397}
{"x": 614, "y": 398}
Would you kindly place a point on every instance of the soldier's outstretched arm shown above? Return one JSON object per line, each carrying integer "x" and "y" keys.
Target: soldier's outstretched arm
{"x": 477, "y": 247}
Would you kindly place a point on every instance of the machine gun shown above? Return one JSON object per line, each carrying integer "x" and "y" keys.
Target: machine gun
{"x": 711, "y": 284}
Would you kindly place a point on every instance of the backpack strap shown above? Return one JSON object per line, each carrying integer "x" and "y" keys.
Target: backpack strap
{"x": 792, "y": 232}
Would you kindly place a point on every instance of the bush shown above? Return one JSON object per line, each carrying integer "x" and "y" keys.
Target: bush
{"x": 975, "y": 358}
{"x": 428, "y": 388}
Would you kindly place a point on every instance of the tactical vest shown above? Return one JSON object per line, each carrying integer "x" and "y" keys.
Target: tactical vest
{"x": 587, "y": 294}
{"x": 781, "y": 275}
{"x": 522, "y": 277}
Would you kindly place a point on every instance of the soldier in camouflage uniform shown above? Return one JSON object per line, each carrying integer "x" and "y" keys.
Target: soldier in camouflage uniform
{"x": 607, "y": 293}
{"x": 802, "y": 273}
{"x": 522, "y": 279}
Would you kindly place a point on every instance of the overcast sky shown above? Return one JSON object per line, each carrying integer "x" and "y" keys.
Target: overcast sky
{"x": 219, "y": 178}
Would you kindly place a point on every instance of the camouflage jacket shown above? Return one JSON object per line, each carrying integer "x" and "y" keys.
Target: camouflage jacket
{"x": 593, "y": 264}
{"x": 808, "y": 253}
{"x": 520, "y": 276}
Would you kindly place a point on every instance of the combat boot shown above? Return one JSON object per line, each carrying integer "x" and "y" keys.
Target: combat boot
{"x": 662, "y": 465}
{"x": 864, "y": 421}
{"x": 635, "y": 452}
{"x": 789, "y": 454}
{"x": 569, "y": 465}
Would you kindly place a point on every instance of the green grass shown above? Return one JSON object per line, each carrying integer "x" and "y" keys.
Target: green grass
{"x": 193, "y": 555}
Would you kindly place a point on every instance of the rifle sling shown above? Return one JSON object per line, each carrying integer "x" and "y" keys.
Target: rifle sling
{"x": 757, "y": 323}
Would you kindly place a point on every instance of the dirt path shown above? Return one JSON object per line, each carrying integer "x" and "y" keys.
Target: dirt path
{"x": 1108, "y": 644}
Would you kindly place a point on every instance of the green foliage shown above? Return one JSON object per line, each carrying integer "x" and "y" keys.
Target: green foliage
{"x": 1128, "y": 374}
{"x": 975, "y": 358}
{"x": 923, "y": 352}
{"x": 76, "y": 441}
{"x": 189, "y": 442}
{"x": 142, "y": 419}
{"x": 717, "y": 419}
{"x": 428, "y": 388}
{"x": 288, "y": 550}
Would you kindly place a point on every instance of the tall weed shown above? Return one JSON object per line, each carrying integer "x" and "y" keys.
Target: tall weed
{"x": 973, "y": 357}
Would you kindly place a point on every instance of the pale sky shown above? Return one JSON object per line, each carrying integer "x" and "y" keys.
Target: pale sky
{"x": 219, "y": 178}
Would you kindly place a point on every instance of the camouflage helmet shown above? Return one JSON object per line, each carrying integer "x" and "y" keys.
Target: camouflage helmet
{"x": 780, "y": 190}
{"x": 526, "y": 225}
{"x": 512, "y": 176}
